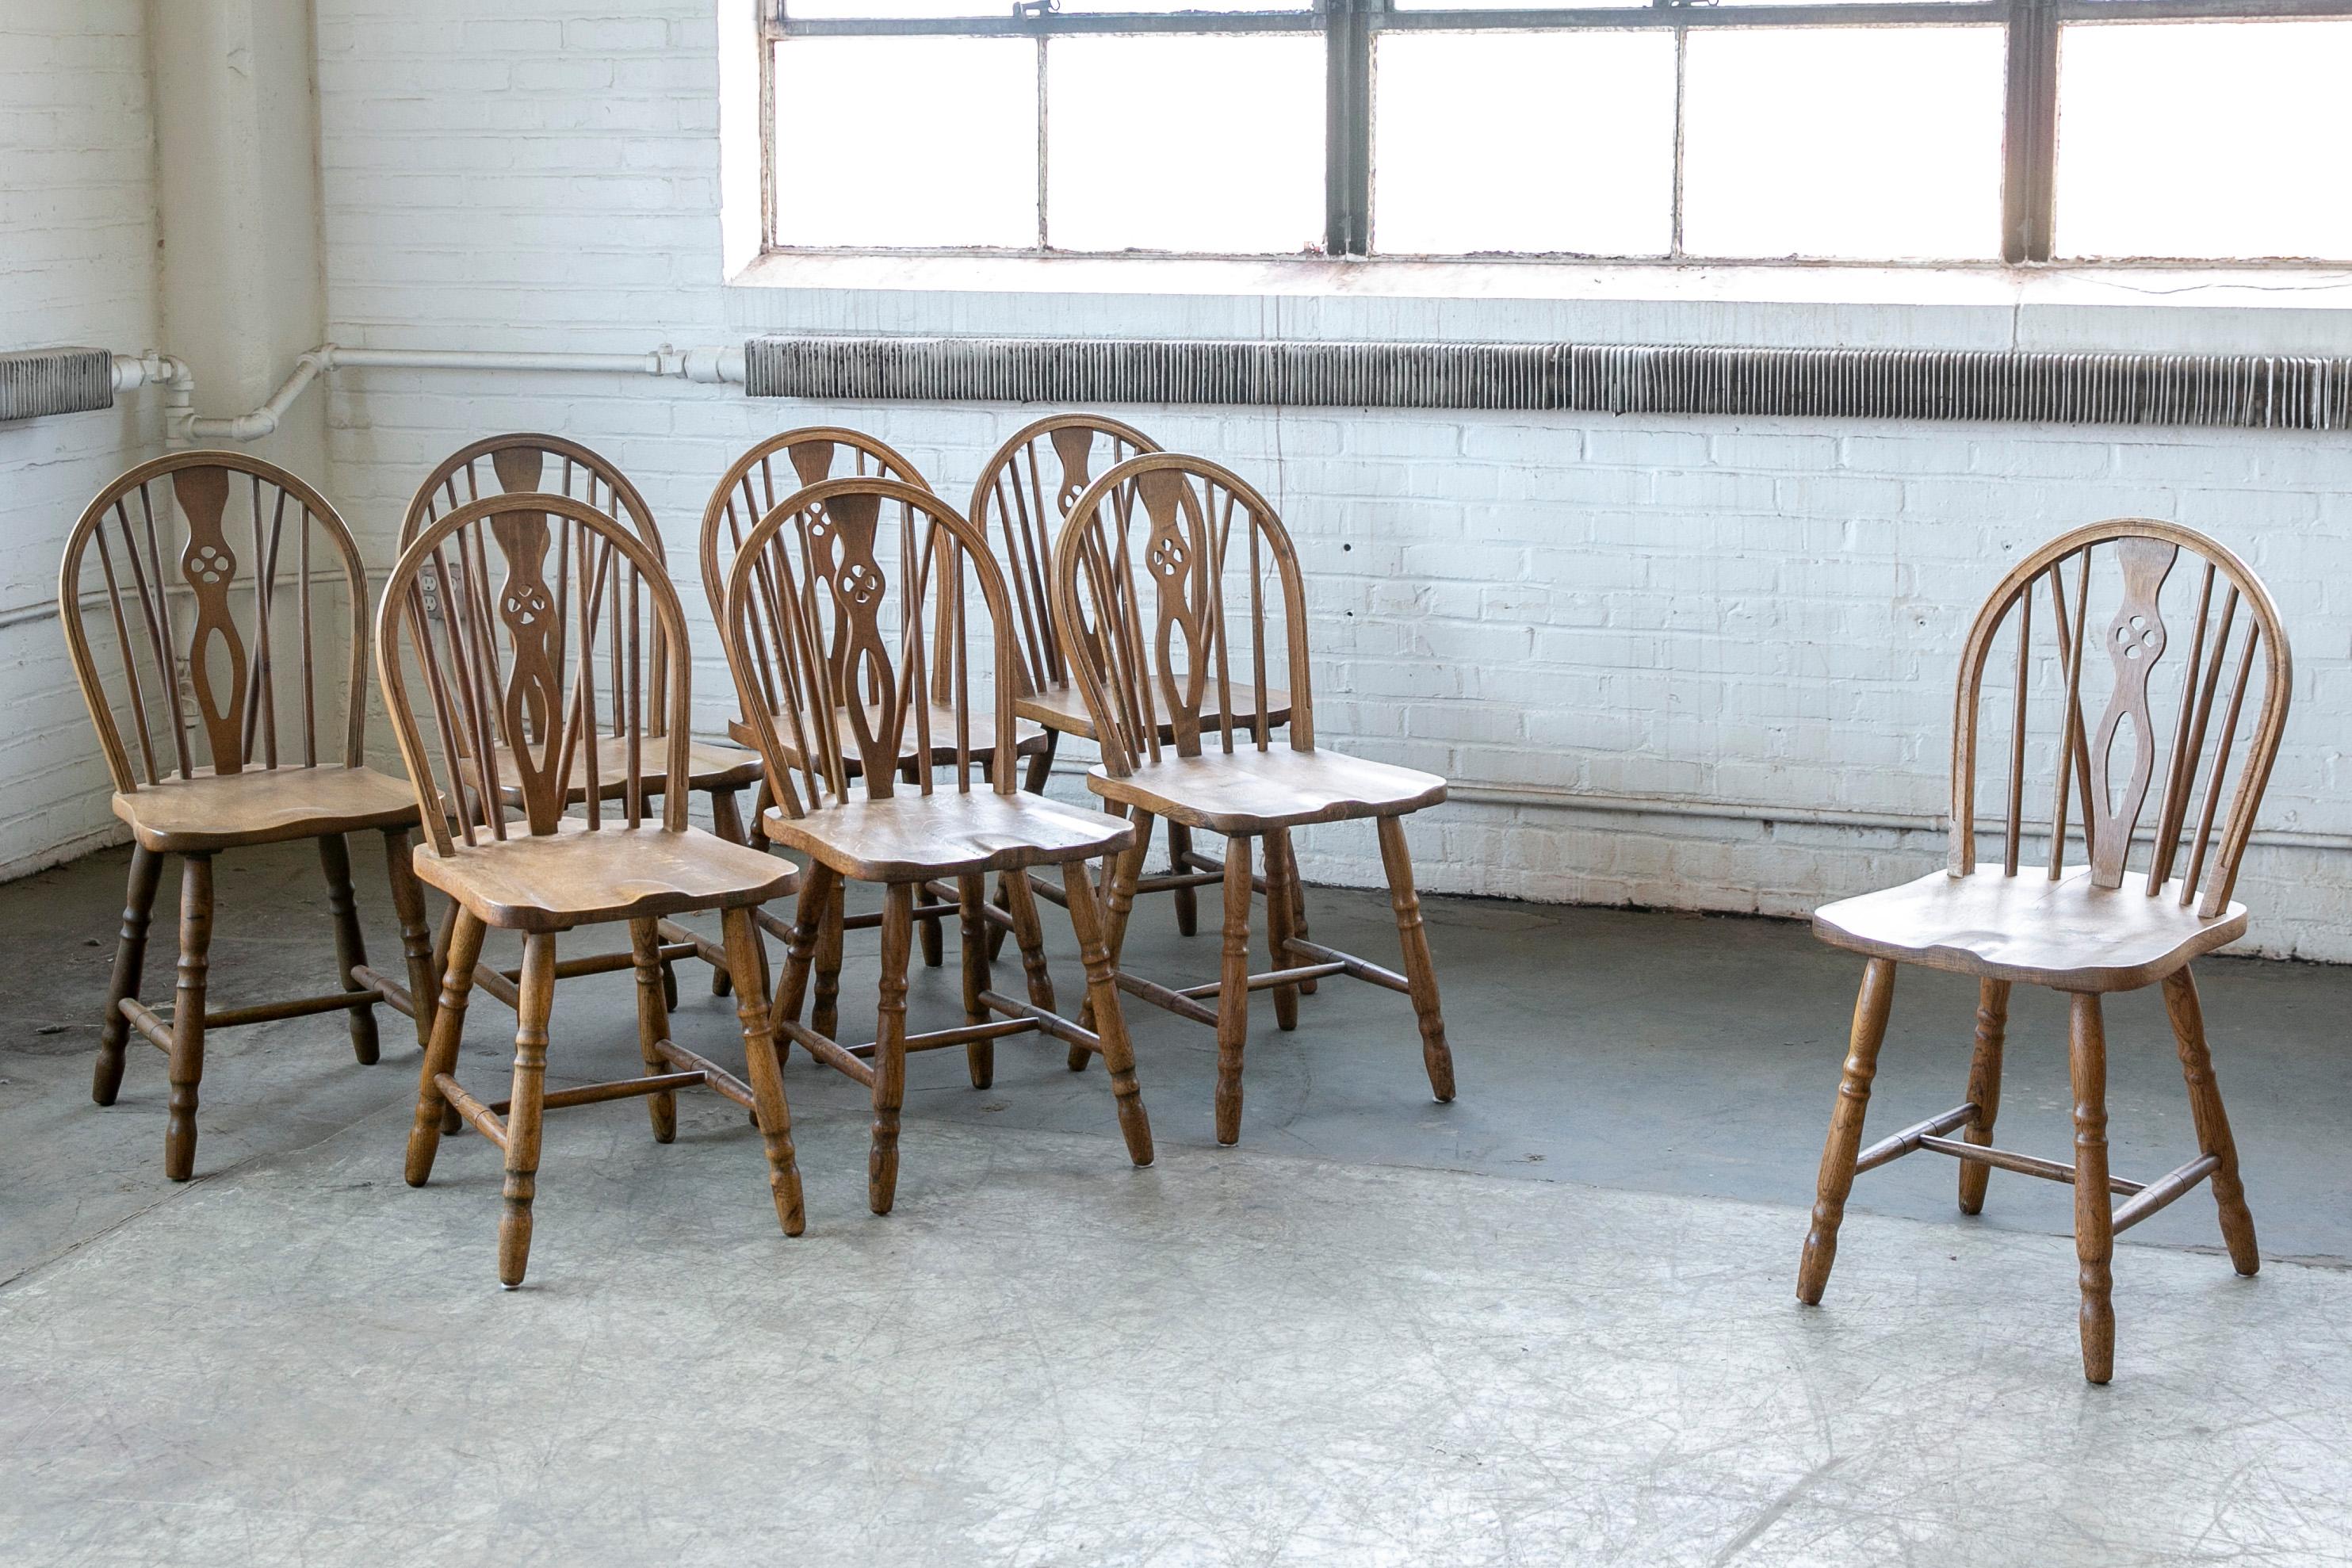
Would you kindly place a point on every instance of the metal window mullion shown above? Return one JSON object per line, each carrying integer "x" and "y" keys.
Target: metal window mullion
{"x": 1347, "y": 126}
{"x": 1044, "y": 235}
{"x": 2029, "y": 132}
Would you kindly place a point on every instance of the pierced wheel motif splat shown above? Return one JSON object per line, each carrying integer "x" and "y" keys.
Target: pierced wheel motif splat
{"x": 2135, "y": 640}
{"x": 207, "y": 564}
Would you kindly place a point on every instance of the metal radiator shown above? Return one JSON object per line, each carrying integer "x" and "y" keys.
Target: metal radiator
{"x": 2271, "y": 391}
{"x": 34, "y": 381}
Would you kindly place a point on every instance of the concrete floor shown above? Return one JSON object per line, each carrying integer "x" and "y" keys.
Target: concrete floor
{"x": 1550, "y": 1324}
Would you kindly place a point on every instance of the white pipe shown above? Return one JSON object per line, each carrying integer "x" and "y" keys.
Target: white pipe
{"x": 182, "y": 426}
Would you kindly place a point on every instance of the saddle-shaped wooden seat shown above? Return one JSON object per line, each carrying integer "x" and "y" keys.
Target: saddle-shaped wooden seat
{"x": 900, "y": 837}
{"x": 1250, "y": 791}
{"x": 209, "y": 811}
{"x": 2029, "y": 928}
{"x": 553, "y": 881}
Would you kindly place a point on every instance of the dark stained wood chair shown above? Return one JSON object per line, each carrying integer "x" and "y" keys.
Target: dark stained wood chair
{"x": 1218, "y": 558}
{"x": 1022, "y": 499}
{"x": 2110, "y": 921}
{"x": 831, "y": 594}
{"x": 252, "y": 752}
{"x": 752, "y": 486}
{"x": 523, "y": 664}
{"x": 529, "y": 460}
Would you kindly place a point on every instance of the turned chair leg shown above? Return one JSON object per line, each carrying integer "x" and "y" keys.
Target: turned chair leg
{"x": 351, "y": 944}
{"x": 1233, "y": 990}
{"x": 1984, "y": 1086}
{"x": 1845, "y": 1144}
{"x": 890, "y": 1047}
{"x": 1120, "y": 873}
{"x": 465, "y": 952}
{"x": 526, "y": 1104}
{"x": 1021, "y": 902}
{"x": 726, "y": 822}
{"x": 1297, "y": 903}
{"x": 2095, "y": 1214}
{"x": 1111, "y": 1019}
{"x": 812, "y": 912}
{"x": 415, "y": 938}
{"x": 652, "y": 1023}
{"x": 1040, "y": 770}
{"x": 979, "y": 1055}
{"x": 748, "y": 961}
{"x": 129, "y": 965}
{"x": 2212, "y": 1124}
{"x": 934, "y": 940}
{"x": 1280, "y": 911}
{"x": 187, "y": 1064}
{"x": 826, "y": 1019}
{"x": 1179, "y": 860}
{"x": 1420, "y": 974}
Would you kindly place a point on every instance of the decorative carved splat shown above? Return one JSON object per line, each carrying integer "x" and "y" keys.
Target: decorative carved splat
{"x": 860, "y": 658}
{"x": 1176, "y": 555}
{"x": 1074, "y": 444}
{"x": 533, "y": 701}
{"x": 2136, "y": 639}
{"x": 208, "y": 566}
{"x": 812, "y": 460}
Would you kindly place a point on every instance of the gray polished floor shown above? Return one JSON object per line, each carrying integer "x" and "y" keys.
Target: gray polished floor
{"x": 1550, "y": 1324}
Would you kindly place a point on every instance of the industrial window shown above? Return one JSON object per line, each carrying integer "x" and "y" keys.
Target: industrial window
{"x": 1925, "y": 130}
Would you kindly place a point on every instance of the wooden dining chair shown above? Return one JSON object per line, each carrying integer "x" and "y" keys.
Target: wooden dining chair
{"x": 830, "y": 597}
{"x": 217, "y": 676}
{"x": 529, "y": 460}
{"x": 773, "y": 470}
{"x": 524, "y": 665}
{"x": 1024, "y": 498}
{"x": 2113, "y": 920}
{"x": 1218, "y": 559}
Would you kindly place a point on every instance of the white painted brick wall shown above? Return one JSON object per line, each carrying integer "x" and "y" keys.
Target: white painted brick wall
{"x": 1757, "y": 611}
{"x": 76, "y": 266}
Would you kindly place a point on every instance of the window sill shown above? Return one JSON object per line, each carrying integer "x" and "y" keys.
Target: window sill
{"x": 2264, "y": 310}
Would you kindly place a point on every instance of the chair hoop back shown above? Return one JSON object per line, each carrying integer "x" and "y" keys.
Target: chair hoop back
{"x": 1137, "y": 675}
{"x": 511, "y": 665}
{"x": 250, "y": 620}
{"x": 2111, "y": 764}
{"x": 1027, "y": 489}
{"x": 749, "y": 490}
{"x": 807, "y": 637}
{"x": 521, "y": 461}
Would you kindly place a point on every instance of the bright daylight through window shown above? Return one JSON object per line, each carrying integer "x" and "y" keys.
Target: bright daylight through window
{"x": 1887, "y": 130}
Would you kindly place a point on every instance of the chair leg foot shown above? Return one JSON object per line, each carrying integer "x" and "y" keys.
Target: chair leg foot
{"x": 2212, "y": 1124}
{"x": 350, "y": 943}
{"x": 1844, "y": 1144}
{"x": 463, "y": 952}
{"x": 1281, "y": 914}
{"x": 1233, "y": 991}
{"x": 747, "y": 959}
{"x": 2094, "y": 1237}
{"x": 130, "y": 965}
{"x": 1420, "y": 972}
{"x": 1984, "y": 1088}
{"x": 415, "y": 937}
{"x": 653, "y": 1024}
{"x": 1111, "y": 1019}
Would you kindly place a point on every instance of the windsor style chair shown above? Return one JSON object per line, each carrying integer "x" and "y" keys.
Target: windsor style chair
{"x": 527, "y": 460}
{"x": 823, "y": 602}
{"x": 747, "y": 492}
{"x": 510, "y": 672}
{"x": 2091, "y": 927}
{"x": 1170, "y": 671}
{"x": 1027, "y": 491}
{"x": 217, "y": 677}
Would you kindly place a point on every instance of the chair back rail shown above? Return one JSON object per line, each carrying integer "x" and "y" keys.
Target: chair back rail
{"x": 1025, "y": 495}
{"x": 536, "y": 594}
{"x": 1170, "y": 518}
{"x": 529, "y": 460}
{"x": 843, "y": 600}
{"x": 206, "y": 568}
{"x": 2106, "y": 772}
{"x": 750, "y": 489}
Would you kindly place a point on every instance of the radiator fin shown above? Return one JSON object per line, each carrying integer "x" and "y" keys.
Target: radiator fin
{"x": 2263, "y": 391}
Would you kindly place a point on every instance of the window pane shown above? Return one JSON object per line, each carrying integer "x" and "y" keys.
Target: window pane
{"x": 1558, "y": 142}
{"x": 1505, "y": 4}
{"x": 1184, "y": 143}
{"x": 1868, "y": 142}
{"x": 994, "y": 8}
{"x": 906, "y": 142}
{"x": 2203, "y": 140}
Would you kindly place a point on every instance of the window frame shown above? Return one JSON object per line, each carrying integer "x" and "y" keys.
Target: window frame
{"x": 2029, "y": 125}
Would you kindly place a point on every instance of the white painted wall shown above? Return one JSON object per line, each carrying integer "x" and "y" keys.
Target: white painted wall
{"x": 1735, "y": 618}
{"x": 77, "y": 238}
